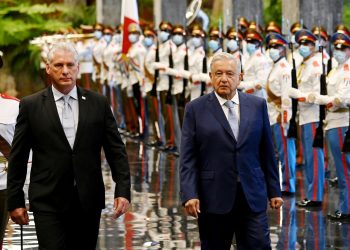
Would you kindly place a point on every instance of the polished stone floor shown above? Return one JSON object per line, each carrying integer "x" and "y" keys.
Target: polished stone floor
{"x": 157, "y": 220}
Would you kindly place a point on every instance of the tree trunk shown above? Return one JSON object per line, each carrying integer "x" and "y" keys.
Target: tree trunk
{"x": 250, "y": 9}
{"x": 173, "y": 11}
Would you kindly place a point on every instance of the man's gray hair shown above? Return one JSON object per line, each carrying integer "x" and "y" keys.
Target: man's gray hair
{"x": 66, "y": 46}
{"x": 225, "y": 56}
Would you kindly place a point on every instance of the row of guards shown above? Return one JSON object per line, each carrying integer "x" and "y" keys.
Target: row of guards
{"x": 304, "y": 77}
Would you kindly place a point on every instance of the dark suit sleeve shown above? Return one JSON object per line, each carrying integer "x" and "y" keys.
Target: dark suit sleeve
{"x": 188, "y": 160}
{"x": 18, "y": 161}
{"x": 116, "y": 155}
{"x": 268, "y": 160}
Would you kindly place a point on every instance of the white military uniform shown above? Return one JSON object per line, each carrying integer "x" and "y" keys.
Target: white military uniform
{"x": 278, "y": 84}
{"x": 9, "y": 108}
{"x": 85, "y": 53}
{"x": 195, "y": 62}
{"x": 337, "y": 98}
{"x": 99, "y": 72}
{"x": 136, "y": 56}
{"x": 256, "y": 70}
{"x": 308, "y": 75}
{"x": 297, "y": 58}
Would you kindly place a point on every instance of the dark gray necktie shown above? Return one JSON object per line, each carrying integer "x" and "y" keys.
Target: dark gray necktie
{"x": 232, "y": 118}
{"x": 68, "y": 120}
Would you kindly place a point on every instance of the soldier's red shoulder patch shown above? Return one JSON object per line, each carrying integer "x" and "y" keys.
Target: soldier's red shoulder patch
{"x": 258, "y": 54}
{"x": 315, "y": 64}
{"x": 9, "y": 97}
{"x": 346, "y": 67}
{"x": 283, "y": 65}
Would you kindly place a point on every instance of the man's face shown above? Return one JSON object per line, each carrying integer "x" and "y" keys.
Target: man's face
{"x": 224, "y": 78}
{"x": 63, "y": 70}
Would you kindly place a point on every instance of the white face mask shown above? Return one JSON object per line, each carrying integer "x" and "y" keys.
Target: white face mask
{"x": 251, "y": 48}
{"x": 117, "y": 38}
{"x": 133, "y": 38}
{"x": 232, "y": 45}
{"x": 164, "y": 36}
{"x": 274, "y": 54}
{"x": 196, "y": 41}
{"x": 340, "y": 56}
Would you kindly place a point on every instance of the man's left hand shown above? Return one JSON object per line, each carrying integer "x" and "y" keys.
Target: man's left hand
{"x": 121, "y": 205}
{"x": 276, "y": 202}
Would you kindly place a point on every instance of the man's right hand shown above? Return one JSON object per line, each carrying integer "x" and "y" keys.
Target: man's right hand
{"x": 20, "y": 216}
{"x": 192, "y": 207}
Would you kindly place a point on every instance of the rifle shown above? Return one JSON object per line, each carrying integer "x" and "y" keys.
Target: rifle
{"x": 329, "y": 63}
{"x": 318, "y": 139}
{"x": 185, "y": 80}
{"x": 346, "y": 143}
{"x": 156, "y": 74}
{"x": 171, "y": 65}
{"x": 239, "y": 49}
{"x": 293, "y": 129}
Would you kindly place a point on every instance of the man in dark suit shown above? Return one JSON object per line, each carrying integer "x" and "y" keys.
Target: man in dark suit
{"x": 66, "y": 126}
{"x": 228, "y": 168}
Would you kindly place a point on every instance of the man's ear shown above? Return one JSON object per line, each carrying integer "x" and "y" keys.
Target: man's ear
{"x": 48, "y": 69}
{"x": 210, "y": 75}
{"x": 241, "y": 77}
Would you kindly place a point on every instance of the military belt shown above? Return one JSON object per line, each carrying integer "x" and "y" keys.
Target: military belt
{"x": 3, "y": 164}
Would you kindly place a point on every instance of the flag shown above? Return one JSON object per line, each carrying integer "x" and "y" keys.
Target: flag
{"x": 130, "y": 15}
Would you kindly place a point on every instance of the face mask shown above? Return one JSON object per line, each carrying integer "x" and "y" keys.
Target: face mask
{"x": 232, "y": 45}
{"x": 274, "y": 54}
{"x": 133, "y": 38}
{"x": 214, "y": 45}
{"x": 178, "y": 39}
{"x": 163, "y": 36}
{"x": 340, "y": 56}
{"x": 148, "y": 41}
{"x": 251, "y": 48}
{"x": 117, "y": 38}
{"x": 107, "y": 38}
{"x": 98, "y": 34}
{"x": 304, "y": 51}
{"x": 196, "y": 41}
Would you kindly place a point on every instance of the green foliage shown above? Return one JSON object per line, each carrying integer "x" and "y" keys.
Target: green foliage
{"x": 20, "y": 22}
{"x": 346, "y": 13}
{"x": 272, "y": 11}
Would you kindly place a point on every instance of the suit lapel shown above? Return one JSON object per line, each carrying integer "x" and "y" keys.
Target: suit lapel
{"x": 51, "y": 112}
{"x": 83, "y": 111}
{"x": 244, "y": 114}
{"x": 218, "y": 113}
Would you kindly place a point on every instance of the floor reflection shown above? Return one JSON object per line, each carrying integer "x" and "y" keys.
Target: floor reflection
{"x": 157, "y": 220}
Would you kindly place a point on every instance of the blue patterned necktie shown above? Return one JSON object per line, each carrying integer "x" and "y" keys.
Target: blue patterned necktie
{"x": 232, "y": 117}
{"x": 68, "y": 121}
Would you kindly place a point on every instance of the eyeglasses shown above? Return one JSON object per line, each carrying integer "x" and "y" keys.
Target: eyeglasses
{"x": 229, "y": 74}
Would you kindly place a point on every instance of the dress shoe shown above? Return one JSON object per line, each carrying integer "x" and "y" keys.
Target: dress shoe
{"x": 333, "y": 181}
{"x": 287, "y": 193}
{"x": 309, "y": 203}
{"x": 339, "y": 217}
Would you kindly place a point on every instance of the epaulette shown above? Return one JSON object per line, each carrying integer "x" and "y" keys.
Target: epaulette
{"x": 9, "y": 97}
{"x": 283, "y": 65}
{"x": 315, "y": 64}
{"x": 259, "y": 54}
{"x": 346, "y": 67}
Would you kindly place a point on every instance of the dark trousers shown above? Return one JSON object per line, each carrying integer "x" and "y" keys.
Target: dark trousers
{"x": 70, "y": 230}
{"x": 251, "y": 229}
{"x": 4, "y": 216}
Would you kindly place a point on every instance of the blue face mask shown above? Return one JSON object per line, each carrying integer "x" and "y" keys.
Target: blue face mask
{"x": 148, "y": 41}
{"x": 304, "y": 51}
{"x": 164, "y": 36}
{"x": 214, "y": 45}
{"x": 232, "y": 45}
{"x": 117, "y": 38}
{"x": 107, "y": 38}
{"x": 133, "y": 38}
{"x": 196, "y": 41}
{"x": 178, "y": 39}
{"x": 251, "y": 48}
{"x": 98, "y": 34}
{"x": 274, "y": 54}
{"x": 340, "y": 56}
